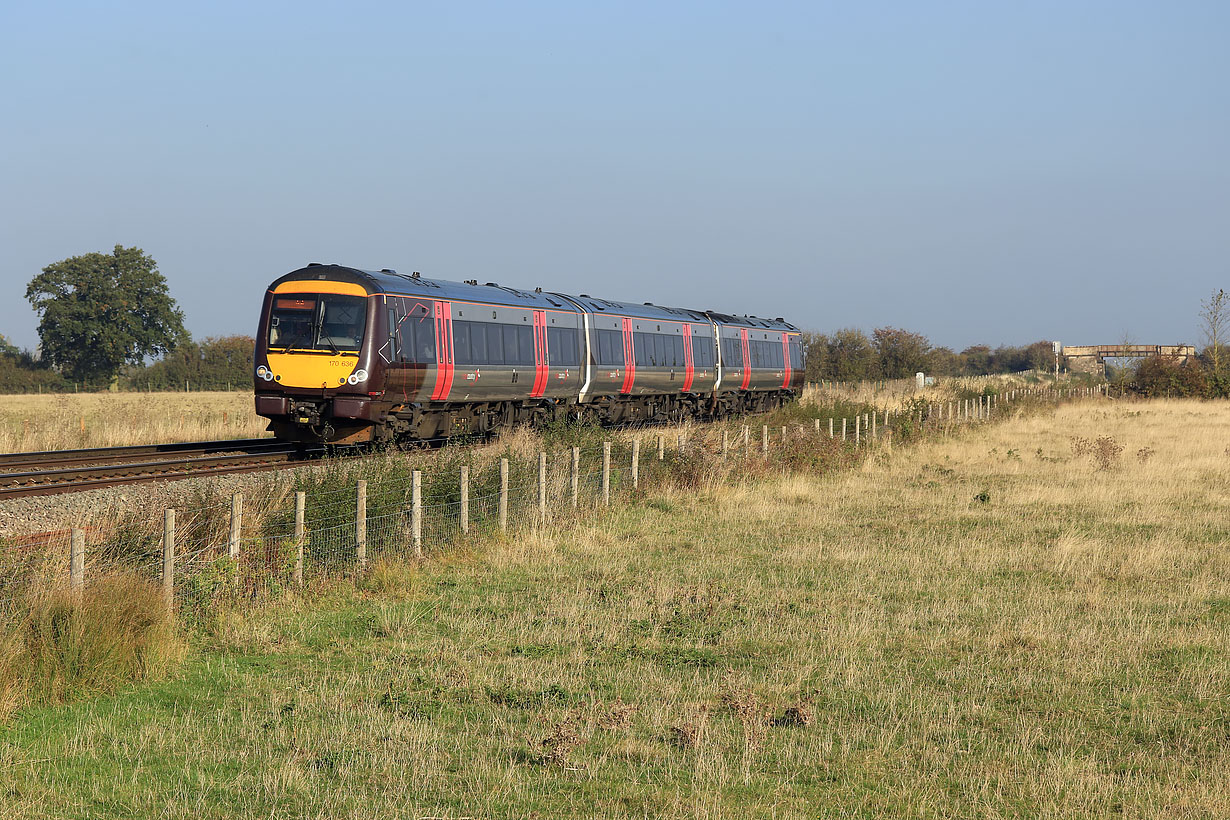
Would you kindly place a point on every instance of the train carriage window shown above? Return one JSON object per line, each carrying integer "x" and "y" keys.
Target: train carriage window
{"x": 524, "y": 346}
{"x": 610, "y": 347}
{"x": 518, "y": 345}
{"x": 643, "y": 349}
{"x": 659, "y": 351}
{"x": 478, "y": 343}
{"x": 495, "y": 343}
{"x": 424, "y": 341}
{"x": 461, "y": 343}
{"x": 391, "y": 354}
{"x": 677, "y": 350}
{"x": 702, "y": 350}
{"x": 562, "y": 346}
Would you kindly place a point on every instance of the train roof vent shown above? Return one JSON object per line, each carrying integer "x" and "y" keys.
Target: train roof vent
{"x": 313, "y": 264}
{"x": 650, "y": 304}
{"x": 388, "y": 270}
{"x": 493, "y": 284}
{"x": 779, "y": 319}
{"x": 585, "y": 296}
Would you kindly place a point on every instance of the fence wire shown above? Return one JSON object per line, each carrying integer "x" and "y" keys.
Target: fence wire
{"x": 269, "y": 557}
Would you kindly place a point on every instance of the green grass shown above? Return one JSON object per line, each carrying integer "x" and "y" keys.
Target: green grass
{"x": 874, "y": 643}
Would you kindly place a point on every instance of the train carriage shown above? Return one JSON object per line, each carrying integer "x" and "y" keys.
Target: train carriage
{"x": 647, "y": 362}
{"x": 760, "y": 362}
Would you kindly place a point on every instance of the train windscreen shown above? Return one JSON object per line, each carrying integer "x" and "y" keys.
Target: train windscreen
{"x": 326, "y": 322}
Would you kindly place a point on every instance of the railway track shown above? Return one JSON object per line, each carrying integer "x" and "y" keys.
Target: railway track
{"x": 51, "y": 472}
{"x": 64, "y": 471}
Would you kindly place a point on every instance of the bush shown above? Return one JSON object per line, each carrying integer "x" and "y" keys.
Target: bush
{"x": 1159, "y": 376}
{"x": 119, "y": 632}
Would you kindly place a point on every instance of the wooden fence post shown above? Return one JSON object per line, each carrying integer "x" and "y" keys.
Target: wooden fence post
{"x": 416, "y": 511}
{"x": 817, "y": 426}
{"x": 300, "y": 503}
{"x": 661, "y": 446}
{"x": 636, "y": 463}
{"x": 503, "y": 495}
{"x": 858, "y": 429}
{"x": 680, "y": 444}
{"x": 76, "y": 562}
{"x": 542, "y": 488}
{"x": 747, "y": 440}
{"x": 843, "y": 429}
{"x": 360, "y": 526}
{"x": 236, "y": 524}
{"x": 576, "y": 474}
{"x": 874, "y": 433}
{"x": 606, "y": 473}
{"x": 168, "y": 559}
{"x": 465, "y": 498}
{"x": 764, "y": 439}
{"x": 725, "y": 443}
{"x": 830, "y": 427}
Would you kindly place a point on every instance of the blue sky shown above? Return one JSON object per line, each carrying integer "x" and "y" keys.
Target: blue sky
{"x": 980, "y": 172}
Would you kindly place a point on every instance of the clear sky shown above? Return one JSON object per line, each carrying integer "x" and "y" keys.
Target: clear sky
{"x": 980, "y": 172}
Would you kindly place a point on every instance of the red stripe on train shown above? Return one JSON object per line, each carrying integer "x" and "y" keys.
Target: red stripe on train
{"x": 689, "y": 369}
{"x": 540, "y": 353}
{"x": 629, "y": 358}
{"x": 747, "y": 359}
{"x": 786, "y": 359}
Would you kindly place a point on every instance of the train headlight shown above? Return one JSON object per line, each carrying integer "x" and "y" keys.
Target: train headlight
{"x": 357, "y": 376}
{"x": 264, "y": 373}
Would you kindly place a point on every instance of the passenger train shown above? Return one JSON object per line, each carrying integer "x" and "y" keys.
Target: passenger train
{"x": 347, "y": 355}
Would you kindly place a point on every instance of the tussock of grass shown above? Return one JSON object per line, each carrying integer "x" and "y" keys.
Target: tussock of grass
{"x": 117, "y": 633}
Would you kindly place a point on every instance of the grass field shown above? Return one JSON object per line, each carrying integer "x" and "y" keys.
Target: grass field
{"x": 73, "y": 420}
{"x": 1020, "y": 621}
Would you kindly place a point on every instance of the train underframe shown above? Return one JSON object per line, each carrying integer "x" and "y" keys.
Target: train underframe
{"x": 311, "y": 421}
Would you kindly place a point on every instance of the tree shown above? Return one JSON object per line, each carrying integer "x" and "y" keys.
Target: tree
{"x": 902, "y": 353}
{"x": 100, "y": 311}
{"x": 850, "y": 356}
{"x": 1215, "y": 321}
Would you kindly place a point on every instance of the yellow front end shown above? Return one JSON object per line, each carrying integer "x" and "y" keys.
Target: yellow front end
{"x": 311, "y": 370}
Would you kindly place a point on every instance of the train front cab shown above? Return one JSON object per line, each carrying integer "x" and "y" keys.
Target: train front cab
{"x": 315, "y": 376}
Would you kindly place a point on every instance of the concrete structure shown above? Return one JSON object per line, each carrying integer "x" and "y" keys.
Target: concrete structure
{"x": 1092, "y": 358}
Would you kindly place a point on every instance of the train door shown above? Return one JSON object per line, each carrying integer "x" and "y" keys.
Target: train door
{"x": 747, "y": 359}
{"x": 444, "y": 351}
{"x": 689, "y": 368}
{"x": 541, "y": 354}
{"x": 629, "y": 358}
{"x": 786, "y": 360}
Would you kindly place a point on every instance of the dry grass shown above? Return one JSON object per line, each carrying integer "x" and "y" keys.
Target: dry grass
{"x": 117, "y": 631}
{"x": 985, "y": 626}
{"x": 75, "y": 420}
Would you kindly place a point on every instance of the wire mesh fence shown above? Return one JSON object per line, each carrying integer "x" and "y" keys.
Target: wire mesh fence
{"x": 259, "y": 548}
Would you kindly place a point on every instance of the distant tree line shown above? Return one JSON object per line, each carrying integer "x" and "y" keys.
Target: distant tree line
{"x": 222, "y": 363}
{"x": 892, "y": 353}
{"x": 212, "y": 364}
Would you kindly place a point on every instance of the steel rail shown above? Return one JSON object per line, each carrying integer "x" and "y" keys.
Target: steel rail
{"x": 72, "y": 479}
{"x": 148, "y": 452}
